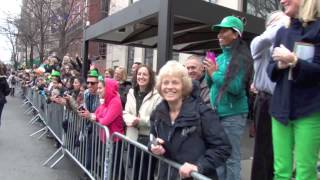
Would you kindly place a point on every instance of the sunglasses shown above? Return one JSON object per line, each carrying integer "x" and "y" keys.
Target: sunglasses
{"x": 92, "y": 83}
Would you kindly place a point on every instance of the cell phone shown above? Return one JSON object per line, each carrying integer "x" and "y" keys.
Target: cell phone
{"x": 66, "y": 94}
{"x": 81, "y": 108}
{"x": 211, "y": 56}
{"x": 153, "y": 140}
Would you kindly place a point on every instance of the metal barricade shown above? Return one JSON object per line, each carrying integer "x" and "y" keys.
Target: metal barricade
{"x": 89, "y": 145}
{"x": 131, "y": 160}
{"x": 54, "y": 118}
{"x": 86, "y": 143}
{"x": 40, "y": 107}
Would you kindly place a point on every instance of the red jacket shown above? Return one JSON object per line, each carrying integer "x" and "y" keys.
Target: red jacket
{"x": 110, "y": 112}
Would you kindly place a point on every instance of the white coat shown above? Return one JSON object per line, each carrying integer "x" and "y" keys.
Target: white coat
{"x": 149, "y": 103}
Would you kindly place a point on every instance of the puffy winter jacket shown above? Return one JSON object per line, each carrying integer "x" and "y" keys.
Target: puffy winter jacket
{"x": 196, "y": 137}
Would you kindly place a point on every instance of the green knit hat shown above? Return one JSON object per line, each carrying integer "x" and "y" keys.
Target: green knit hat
{"x": 55, "y": 73}
{"x": 93, "y": 73}
{"x": 230, "y": 22}
{"x": 100, "y": 78}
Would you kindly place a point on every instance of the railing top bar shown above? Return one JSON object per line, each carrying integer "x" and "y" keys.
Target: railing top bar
{"x": 171, "y": 163}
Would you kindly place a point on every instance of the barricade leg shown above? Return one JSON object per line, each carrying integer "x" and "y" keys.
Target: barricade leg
{"x": 30, "y": 109}
{"x": 52, "y": 156}
{"x": 43, "y": 129}
{"x": 59, "y": 159}
{"x": 45, "y": 132}
{"x": 34, "y": 119}
{"x": 25, "y": 102}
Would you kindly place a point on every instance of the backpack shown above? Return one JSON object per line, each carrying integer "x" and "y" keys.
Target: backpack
{"x": 13, "y": 80}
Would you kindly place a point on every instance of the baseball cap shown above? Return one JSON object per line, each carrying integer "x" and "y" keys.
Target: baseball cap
{"x": 229, "y": 22}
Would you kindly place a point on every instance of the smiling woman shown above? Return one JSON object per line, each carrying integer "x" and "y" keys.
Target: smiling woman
{"x": 142, "y": 99}
{"x": 180, "y": 121}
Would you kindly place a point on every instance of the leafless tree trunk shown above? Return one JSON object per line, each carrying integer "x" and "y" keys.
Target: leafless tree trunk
{"x": 262, "y": 8}
{"x": 11, "y": 33}
{"x": 69, "y": 20}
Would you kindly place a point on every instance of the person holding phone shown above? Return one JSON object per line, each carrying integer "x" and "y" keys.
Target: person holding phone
{"x": 295, "y": 104}
{"x": 91, "y": 101}
{"x": 196, "y": 71}
{"x": 186, "y": 130}
{"x": 228, "y": 79}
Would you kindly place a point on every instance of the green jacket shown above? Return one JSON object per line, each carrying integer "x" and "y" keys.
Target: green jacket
{"x": 234, "y": 100}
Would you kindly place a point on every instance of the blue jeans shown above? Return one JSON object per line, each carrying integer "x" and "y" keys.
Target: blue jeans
{"x": 234, "y": 127}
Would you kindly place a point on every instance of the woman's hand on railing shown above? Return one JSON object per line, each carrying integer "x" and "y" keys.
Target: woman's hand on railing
{"x": 186, "y": 169}
{"x": 157, "y": 148}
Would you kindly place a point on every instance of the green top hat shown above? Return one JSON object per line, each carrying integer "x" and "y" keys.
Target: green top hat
{"x": 229, "y": 22}
{"x": 55, "y": 73}
{"x": 93, "y": 73}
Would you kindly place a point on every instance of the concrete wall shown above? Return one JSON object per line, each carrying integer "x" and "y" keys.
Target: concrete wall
{"x": 232, "y": 4}
{"x": 116, "y": 56}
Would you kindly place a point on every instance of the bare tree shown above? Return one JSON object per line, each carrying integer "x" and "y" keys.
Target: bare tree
{"x": 68, "y": 22}
{"x": 27, "y": 35}
{"x": 262, "y": 8}
{"x": 40, "y": 13}
{"x": 10, "y": 31}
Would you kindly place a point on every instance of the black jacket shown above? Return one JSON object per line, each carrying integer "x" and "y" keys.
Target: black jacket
{"x": 300, "y": 97}
{"x": 4, "y": 89}
{"x": 196, "y": 137}
{"x": 123, "y": 91}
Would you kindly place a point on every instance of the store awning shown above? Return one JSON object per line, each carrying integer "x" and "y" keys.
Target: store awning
{"x": 137, "y": 25}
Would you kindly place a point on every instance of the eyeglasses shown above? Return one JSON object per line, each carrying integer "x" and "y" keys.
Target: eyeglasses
{"x": 92, "y": 83}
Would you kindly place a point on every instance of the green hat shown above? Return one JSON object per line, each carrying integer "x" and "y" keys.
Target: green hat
{"x": 93, "y": 73}
{"x": 55, "y": 73}
{"x": 100, "y": 78}
{"x": 229, "y": 22}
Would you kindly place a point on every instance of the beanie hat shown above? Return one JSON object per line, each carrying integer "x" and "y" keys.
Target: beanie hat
{"x": 93, "y": 73}
{"x": 55, "y": 73}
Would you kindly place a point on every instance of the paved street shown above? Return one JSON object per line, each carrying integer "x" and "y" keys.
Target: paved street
{"x": 21, "y": 156}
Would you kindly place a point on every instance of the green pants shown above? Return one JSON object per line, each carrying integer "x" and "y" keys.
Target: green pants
{"x": 301, "y": 139}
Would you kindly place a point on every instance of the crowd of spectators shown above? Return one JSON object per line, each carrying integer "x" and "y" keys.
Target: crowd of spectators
{"x": 196, "y": 113}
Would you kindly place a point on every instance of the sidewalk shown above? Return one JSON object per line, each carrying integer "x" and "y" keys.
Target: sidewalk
{"x": 21, "y": 156}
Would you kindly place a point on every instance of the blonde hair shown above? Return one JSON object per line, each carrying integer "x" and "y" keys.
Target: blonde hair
{"x": 309, "y": 10}
{"x": 123, "y": 72}
{"x": 174, "y": 68}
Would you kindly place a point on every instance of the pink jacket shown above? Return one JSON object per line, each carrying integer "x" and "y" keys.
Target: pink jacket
{"x": 110, "y": 112}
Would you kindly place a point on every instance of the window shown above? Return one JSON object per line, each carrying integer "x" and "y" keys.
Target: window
{"x": 148, "y": 57}
{"x": 261, "y": 8}
{"x": 105, "y": 7}
{"x": 102, "y": 50}
{"x": 175, "y": 56}
{"x": 130, "y": 59}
